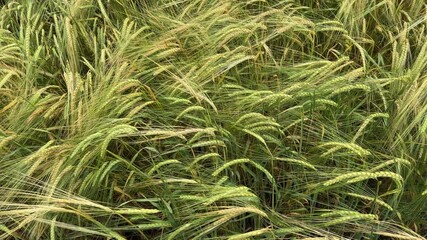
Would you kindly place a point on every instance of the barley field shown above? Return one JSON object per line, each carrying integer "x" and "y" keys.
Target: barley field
{"x": 213, "y": 119}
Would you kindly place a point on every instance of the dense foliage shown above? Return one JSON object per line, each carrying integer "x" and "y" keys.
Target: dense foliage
{"x": 213, "y": 119}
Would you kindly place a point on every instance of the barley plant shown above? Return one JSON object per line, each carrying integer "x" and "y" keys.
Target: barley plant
{"x": 213, "y": 119}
